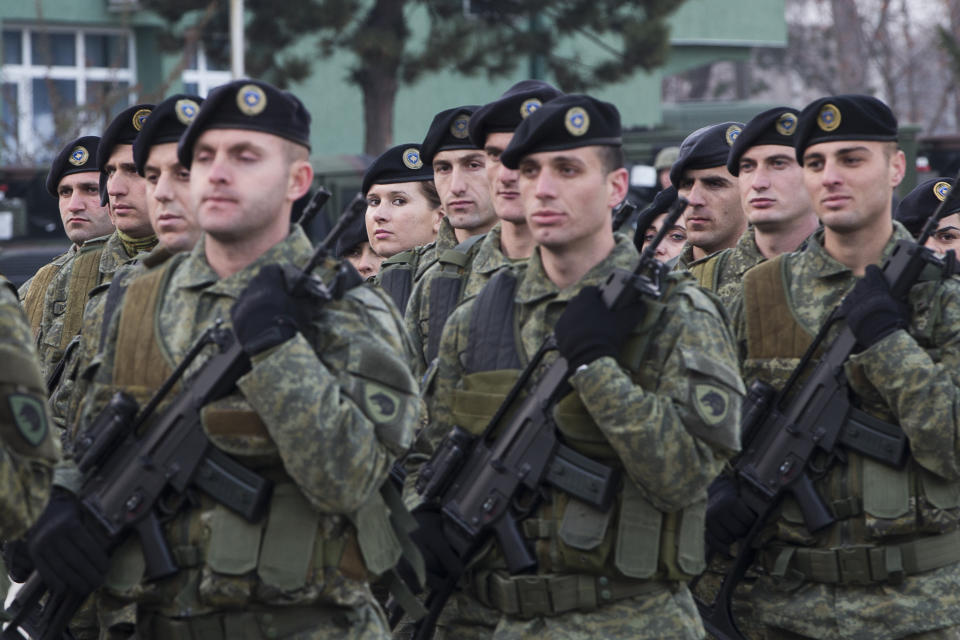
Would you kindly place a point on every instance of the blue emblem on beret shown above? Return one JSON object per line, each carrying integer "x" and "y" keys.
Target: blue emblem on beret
{"x": 140, "y": 117}
{"x": 79, "y": 156}
{"x": 941, "y": 189}
{"x": 186, "y": 110}
{"x": 829, "y": 117}
{"x": 529, "y": 106}
{"x": 459, "y": 126}
{"x": 251, "y": 100}
{"x": 786, "y": 124}
{"x": 411, "y": 159}
{"x": 577, "y": 121}
{"x": 732, "y": 133}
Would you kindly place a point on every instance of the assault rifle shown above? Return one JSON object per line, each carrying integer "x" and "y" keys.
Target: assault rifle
{"x": 794, "y": 437}
{"x": 480, "y": 482}
{"x": 623, "y": 212}
{"x": 139, "y": 466}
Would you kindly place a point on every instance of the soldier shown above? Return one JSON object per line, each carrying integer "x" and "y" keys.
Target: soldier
{"x": 662, "y": 163}
{"x": 618, "y": 574}
{"x": 916, "y": 207}
{"x": 714, "y": 219}
{"x": 459, "y": 176}
{"x": 52, "y": 301}
{"x": 888, "y": 567}
{"x": 772, "y": 194}
{"x": 354, "y": 245}
{"x": 461, "y": 276}
{"x": 676, "y": 238}
{"x": 326, "y": 406}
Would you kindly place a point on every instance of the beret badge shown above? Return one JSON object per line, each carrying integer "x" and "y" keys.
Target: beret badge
{"x": 941, "y": 189}
{"x": 529, "y": 106}
{"x": 411, "y": 159}
{"x": 731, "y": 134}
{"x": 829, "y": 117}
{"x": 79, "y": 156}
{"x": 186, "y": 110}
{"x": 139, "y": 118}
{"x": 787, "y": 124}
{"x": 251, "y": 100}
{"x": 459, "y": 126}
{"x": 577, "y": 121}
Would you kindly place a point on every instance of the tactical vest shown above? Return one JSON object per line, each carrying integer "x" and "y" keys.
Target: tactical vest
{"x": 396, "y": 278}
{"x": 904, "y": 521}
{"x": 33, "y": 302}
{"x": 295, "y": 555}
{"x": 631, "y": 541}
{"x": 708, "y": 272}
{"x": 446, "y": 290}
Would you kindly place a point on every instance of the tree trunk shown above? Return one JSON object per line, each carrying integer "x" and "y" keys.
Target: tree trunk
{"x": 851, "y": 70}
{"x": 380, "y": 49}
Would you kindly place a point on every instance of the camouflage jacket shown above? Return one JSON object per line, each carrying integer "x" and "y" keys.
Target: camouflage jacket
{"x": 910, "y": 378}
{"x": 27, "y": 448}
{"x": 723, "y": 271}
{"x": 325, "y": 415}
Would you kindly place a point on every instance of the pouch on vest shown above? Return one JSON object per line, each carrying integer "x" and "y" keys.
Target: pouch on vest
{"x": 585, "y": 534}
{"x": 691, "y": 552}
{"x": 886, "y": 491}
{"x": 638, "y": 534}
{"x": 378, "y": 543}
{"x": 579, "y": 430}
{"x": 289, "y": 540}
{"x": 234, "y": 542}
{"x": 482, "y": 394}
{"x": 941, "y": 493}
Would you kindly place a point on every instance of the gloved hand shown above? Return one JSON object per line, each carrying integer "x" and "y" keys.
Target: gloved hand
{"x": 728, "y": 517}
{"x": 588, "y": 330}
{"x": 265, "y": 314}
{"x": 439, "y": 558}
{"x": 16, "y": 556}
{"x": 871, "y": 310}
{"x": 65, "y": 554}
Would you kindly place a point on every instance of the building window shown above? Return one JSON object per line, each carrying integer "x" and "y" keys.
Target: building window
{"x": 203, "y": 73}
{"x": 60, "y": 83}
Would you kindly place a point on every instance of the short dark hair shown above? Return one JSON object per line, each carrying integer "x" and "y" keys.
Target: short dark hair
{"x": 429, "y": 190}
{"x": 611, "y": 157}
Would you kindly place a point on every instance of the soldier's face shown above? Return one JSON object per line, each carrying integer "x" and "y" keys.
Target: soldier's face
{"x": 127, "y": 193}
{"x": 364, "y": 260}
{"x": 772, "y": 192}
{"x": 168, "y": 197}
{"x": 947, "y": 236}
{"x": 714, "y": 218}
{"x": 567, "y": 197}
{"x": 672, "y": 244}
{"x": 851, "y": 182}
{"x": 400, "y": 217}
{"x": 243, "y": 185}
{"x": 461, "y": 179}
{"x": 78, "y": 196}
{"x": 504, "y": 182}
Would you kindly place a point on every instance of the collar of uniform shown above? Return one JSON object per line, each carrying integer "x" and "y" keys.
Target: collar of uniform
{"x": 114, "y": 254}
{"x": 196, "y": 272}
{"x": 535, "y": 285}
{"x": 446, "y": 236}
{"x": 824, "y": 265}
{"x": 747, "y": 245}
{"x": 489, "y": 256}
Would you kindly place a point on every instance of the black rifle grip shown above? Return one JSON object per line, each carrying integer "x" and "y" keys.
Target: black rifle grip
{"x": 816, "y": 513}
{"x": 159, "y": 560}
{"x": 514, "y": 547}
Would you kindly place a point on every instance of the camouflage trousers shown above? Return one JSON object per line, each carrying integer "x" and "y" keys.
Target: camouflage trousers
{"x": 951, "y": 633}
{"x": 660, "y": 615}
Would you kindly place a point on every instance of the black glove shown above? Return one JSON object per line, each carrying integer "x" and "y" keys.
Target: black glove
{"x": 16, "y": 556}
{"x": 440, "y": 560}
{"x": 65, "y": 553}
{"x": 265, "y": 314}
{"x": 588, "y": 330}
{"x": 871, "y": 310}
{"x": 728, "y": 517}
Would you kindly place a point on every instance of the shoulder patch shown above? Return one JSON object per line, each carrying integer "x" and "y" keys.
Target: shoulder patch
{"x": 382, "y": 402}
{"x": 29, "y": 417}
{"x": 712, "y": 403}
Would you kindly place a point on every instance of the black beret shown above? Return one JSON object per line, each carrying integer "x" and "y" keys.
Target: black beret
{"x": 448, "y": 131}
{"x": 252, "y": 105}
{"x": 355, "y": 233}
{"x": 122, "y": 130}
{"x": 401, "y": 163}
{"x": 774, "y": 126}
{"x": 77, "y": 156}
{"x": 705, "y": 148}
{"x": 167, "y": 123}
{"x": 844, "y": 117}
{"x": 566, "y": 122}
{"x": 505, "y": 114}
{"x": 920, "y": 203}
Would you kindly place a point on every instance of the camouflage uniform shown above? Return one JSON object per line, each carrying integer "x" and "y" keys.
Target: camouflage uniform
{"x": 419, "y": 259}
{"x": 33, "y": 304}
{"x": 723, "y": 271}
{"x": 669, "y": 458}
{"x": 910, "y": 378}
{"x": 28, "y": 449}
{"x": 345, "y": 385}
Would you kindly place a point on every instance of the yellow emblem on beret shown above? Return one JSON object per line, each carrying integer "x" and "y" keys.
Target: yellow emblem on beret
{"x": 829, "y": 117}
{"x": 577, "y": 121}
{"x": 732, "y": 133}
{"x": 186, "y": 110}
{"x": 139, "y": 118}
{"x": 459, "y": 128}
{"x": 78, "y": 156}
{"x": 251, "y": 100}
{"x": 786, "y": 124}
{"x": 941, "y": 189}
{"x": 411, "y": 159}
{"x": 529, "y": 106}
